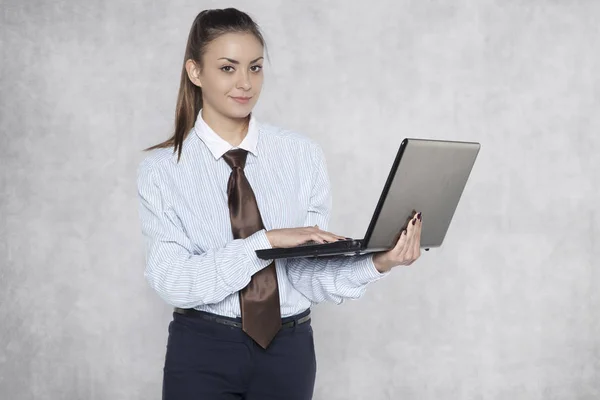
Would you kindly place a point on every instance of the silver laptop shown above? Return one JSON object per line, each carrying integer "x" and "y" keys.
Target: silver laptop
{"x": 427, "y": 176}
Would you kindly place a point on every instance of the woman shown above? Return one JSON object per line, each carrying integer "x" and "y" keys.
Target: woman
{"x": 222, "y": 187}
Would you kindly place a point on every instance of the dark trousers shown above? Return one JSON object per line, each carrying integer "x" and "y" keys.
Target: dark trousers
{"x": 209, "y": 360}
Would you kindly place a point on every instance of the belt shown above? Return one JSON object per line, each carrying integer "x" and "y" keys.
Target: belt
{"x": 296, "y": 320}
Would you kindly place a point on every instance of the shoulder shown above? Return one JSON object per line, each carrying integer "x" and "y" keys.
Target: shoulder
{"x": 165, "y": 159}
{"x": 153, "y": 163}
{"x": 279, "y": 137}
{"x": 156, "y": 158}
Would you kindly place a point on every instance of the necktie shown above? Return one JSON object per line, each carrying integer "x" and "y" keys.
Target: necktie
{"x": 259, "y": 300}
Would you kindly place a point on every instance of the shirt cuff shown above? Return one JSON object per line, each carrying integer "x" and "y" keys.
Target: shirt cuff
{"x": 366, "y": 272}
{"x": 257, "y": 241}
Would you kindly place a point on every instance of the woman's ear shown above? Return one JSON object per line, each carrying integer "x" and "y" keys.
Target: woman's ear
{"x": 193, "y": 72}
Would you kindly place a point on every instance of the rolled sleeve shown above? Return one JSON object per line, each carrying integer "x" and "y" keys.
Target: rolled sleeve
{"x": 365, "y": 271}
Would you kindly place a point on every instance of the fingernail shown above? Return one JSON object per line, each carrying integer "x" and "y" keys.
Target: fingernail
{"x": 414, "y": 221}
{"x": 419, "y": 216}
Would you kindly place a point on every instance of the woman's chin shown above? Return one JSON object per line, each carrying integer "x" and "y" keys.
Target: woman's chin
{"x": 239, "y": 111}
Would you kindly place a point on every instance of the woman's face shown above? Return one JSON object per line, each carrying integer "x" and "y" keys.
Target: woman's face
{"x": 231, "y": 76}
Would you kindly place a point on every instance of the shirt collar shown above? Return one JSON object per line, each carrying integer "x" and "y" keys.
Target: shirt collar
{"x": 219, "y": 146}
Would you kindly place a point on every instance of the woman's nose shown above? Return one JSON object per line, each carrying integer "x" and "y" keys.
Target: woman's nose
{"x": 244, "y": 82}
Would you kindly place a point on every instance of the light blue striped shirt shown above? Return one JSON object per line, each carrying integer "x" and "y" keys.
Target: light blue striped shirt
{"x": 192, "y": 260}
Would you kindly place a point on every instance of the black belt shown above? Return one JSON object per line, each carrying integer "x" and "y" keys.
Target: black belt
{"x": 288, "y": 322}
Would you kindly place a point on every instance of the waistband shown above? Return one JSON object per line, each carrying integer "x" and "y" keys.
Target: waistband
{"x": 286, "y": 322}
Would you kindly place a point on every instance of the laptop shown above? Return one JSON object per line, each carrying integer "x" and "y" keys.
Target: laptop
{"x": 427, "y": 176}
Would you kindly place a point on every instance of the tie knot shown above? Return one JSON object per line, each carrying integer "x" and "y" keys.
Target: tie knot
{"x": 236, "y": 158}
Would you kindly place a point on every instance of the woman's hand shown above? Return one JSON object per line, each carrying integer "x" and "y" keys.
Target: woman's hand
{"x": 407, "y": 249}
{"x": 291, "y": 237}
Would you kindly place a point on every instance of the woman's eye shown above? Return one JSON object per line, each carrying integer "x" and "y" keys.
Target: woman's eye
{"x": 227, "y": 68}
{"x": 256, "y": 68}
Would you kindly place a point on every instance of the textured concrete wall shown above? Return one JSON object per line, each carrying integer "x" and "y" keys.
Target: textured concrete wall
{"x": 507, "y": 309}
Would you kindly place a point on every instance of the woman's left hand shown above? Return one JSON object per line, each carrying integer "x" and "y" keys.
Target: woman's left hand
{"x": 407, "y": 249}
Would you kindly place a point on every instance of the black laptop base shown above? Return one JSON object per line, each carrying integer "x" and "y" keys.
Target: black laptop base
{"x": 341, "y": 247}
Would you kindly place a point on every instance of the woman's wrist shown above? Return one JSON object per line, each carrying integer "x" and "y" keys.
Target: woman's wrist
{"x": 269, "y": 237}
{"x": 382, "y": 264}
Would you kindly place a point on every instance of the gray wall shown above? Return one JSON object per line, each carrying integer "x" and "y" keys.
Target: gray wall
{"x": 507, "y": 309}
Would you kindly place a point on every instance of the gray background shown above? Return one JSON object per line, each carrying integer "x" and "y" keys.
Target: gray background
{"x": 507, "y": 309}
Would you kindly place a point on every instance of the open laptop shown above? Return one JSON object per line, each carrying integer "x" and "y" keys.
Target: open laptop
{"x": 427, "y": 176}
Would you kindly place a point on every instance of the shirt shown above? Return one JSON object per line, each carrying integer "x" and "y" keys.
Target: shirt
{"x": 192, "y": 259}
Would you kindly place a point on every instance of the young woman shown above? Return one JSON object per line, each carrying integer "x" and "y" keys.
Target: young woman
{"x": 222, "y": 187}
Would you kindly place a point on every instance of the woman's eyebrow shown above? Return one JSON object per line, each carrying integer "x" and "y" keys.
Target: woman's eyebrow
{"x": 237, "y": 62}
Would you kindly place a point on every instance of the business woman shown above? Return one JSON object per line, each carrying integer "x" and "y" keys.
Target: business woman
{"x": 223, "y": 186}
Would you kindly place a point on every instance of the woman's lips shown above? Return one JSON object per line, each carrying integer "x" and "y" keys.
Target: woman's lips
{"x": 242, "y": 100}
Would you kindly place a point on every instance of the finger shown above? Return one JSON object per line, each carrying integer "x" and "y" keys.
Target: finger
{"x": 407, "y": 252}
{"x": 417, "y": 241}
{"x": 321, "y": 231}
{"x": 331, "y": 237}
{"x": 410, "y": 234}
{"x": 400, "y": 243}
{"x": 335, "y": 237}
{"x": 312, "y": 234}
{"x": 314, "y": 230}
{"x": 321, "y": 237}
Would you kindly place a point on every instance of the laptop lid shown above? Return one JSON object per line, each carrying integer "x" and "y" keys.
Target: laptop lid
{"x": 427, "y": 176}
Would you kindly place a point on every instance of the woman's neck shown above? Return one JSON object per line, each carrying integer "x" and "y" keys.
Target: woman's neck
{"x": 231, "y": 130}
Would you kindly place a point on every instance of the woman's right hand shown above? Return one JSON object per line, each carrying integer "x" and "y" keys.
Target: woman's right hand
{"x": 291, "y": 237}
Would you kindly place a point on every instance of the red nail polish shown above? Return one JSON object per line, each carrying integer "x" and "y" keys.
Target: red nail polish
{"x": 414, "y": 221}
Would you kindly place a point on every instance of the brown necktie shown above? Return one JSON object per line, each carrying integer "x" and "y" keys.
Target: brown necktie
{"x": 259, "y": 300}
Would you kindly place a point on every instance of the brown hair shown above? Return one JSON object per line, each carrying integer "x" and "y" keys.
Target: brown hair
{"x": 207, "y": 26}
